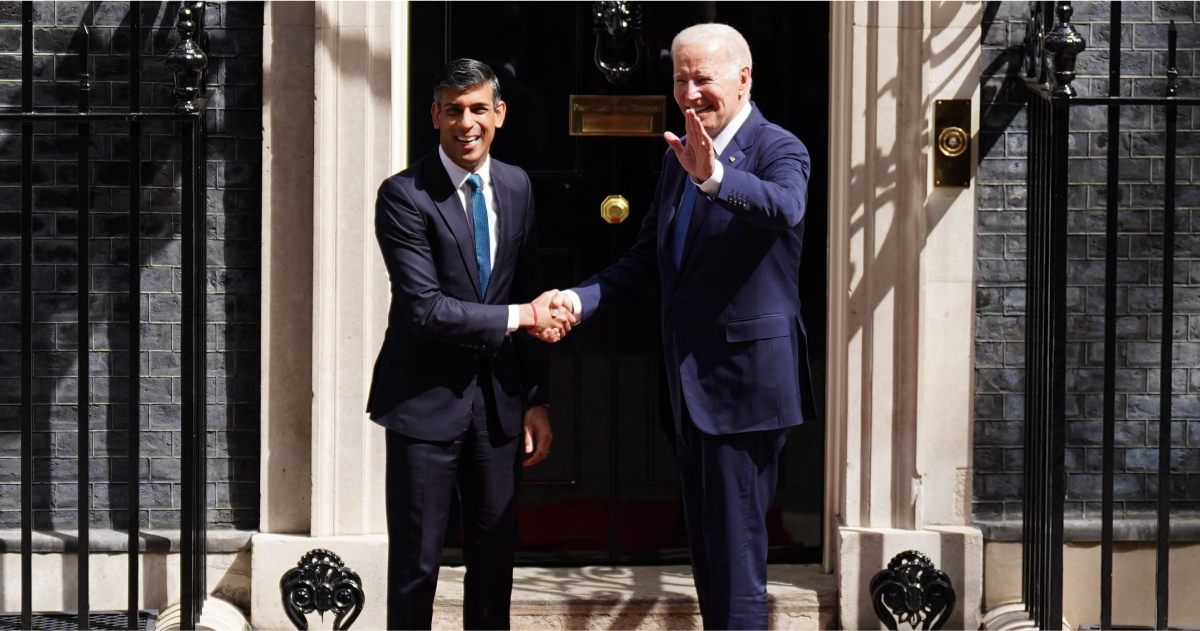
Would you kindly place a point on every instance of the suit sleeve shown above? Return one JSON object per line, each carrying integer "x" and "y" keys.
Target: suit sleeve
{"x": 533, "y": 356}
{"x": 776, "y": 194}
{"x": 635, "y": 275}
{"x": 401, "y": 231}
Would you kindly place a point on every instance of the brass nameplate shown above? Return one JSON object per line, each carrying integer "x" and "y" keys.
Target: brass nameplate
{"x": 618, "y": 115}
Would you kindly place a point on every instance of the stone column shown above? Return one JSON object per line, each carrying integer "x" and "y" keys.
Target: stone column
{"x": 946, "y": 365}
{"x": 323, "y": 458}
{"x": 331, "y": 137}
{"x": 350, "y": 289}
{"x": 287, "y": 223}
{"x": 901, "y": 302}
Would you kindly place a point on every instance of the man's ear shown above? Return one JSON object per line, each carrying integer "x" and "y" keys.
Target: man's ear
{"x": 501, "y": 109}
{"x": 744, "y": 77}
{"x": 433, "y": 111}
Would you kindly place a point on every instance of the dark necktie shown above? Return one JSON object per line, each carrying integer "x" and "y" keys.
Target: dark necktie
{"x": 681, "y": 221}
{"x": 483, "y": 242}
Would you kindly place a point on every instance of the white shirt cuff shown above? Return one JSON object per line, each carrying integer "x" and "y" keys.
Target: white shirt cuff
{"x": 514, "y": 318}
{"x": 576, "y": 305}
{"x": 712, "y": 185}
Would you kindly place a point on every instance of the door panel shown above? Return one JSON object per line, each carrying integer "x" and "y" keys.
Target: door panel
{"x": 608, "y": 493}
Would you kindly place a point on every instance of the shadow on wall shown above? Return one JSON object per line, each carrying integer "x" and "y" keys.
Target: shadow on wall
{"x": 999, "y": 115}
{"x": 892, "y": 213}
{"x": 58, "y": 33}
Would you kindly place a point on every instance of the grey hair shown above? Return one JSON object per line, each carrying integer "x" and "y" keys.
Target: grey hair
{"x": 727, "y": 37}
{"x": 462, "y": 74}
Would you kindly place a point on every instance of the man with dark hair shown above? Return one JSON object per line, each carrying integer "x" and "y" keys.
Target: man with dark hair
{"x": 457, "y": 378}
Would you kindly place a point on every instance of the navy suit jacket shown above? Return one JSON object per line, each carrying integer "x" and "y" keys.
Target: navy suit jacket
{"x": 444, "y": 336}
{"x": 733, "y": 338}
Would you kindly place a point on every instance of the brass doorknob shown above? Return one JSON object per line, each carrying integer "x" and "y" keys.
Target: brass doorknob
{"x": 952, "y": 142}
{"x": 614, "y": 209}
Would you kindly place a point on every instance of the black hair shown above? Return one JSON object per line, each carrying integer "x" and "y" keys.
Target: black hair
{"x": 462, "y": 74}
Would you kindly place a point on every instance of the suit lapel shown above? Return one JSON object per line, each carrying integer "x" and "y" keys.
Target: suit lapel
{"x": 666, "y": 228}
{"x": 734, "y": 157}
{"x": 442, "y": 192}
{"x": 679, "y": 177}
{"x": 506, "y": 213}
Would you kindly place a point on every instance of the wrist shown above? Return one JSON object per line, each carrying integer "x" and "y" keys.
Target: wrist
{"x": 527, "y": 319}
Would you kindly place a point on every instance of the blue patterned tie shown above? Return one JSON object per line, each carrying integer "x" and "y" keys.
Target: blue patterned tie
{"x": 681, "y": 221}
{"x": 483, "y": 241}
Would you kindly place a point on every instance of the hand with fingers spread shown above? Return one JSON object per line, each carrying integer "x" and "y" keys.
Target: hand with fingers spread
{"x": 544, "y": 321}
{"x": 697, "y": 156}
{"x": 537, "y": 434}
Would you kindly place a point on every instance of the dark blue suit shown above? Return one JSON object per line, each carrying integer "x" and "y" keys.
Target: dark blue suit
{"x": 734, "y": 346}
{"x": 452, "y": 388}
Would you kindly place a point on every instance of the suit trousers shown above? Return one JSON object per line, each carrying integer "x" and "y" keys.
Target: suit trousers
{"x": 421, "y": 476}
{"x": 728, "y": 482}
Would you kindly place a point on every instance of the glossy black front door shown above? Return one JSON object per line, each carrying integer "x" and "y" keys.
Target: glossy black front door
{"x": 608, "y": 491}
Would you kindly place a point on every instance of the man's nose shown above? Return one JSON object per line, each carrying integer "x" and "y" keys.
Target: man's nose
{"x": 693, "y": 91}
{"x": 467, "y": 121}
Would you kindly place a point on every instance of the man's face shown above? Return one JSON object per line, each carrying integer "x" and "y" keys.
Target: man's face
{"x": 706, "y": 81}
{"x": 467, "y": 121}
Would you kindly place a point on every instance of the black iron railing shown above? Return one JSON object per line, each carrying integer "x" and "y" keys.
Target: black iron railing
{"x": 1051, "y": 47}
{"x": 187, "y": 61}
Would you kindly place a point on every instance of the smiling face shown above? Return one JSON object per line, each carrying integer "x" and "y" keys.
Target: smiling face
{"x": 467, "y": 120}
{"x": 707, "y": 82}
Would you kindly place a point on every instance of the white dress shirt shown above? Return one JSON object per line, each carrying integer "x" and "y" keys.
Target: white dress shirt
{"x": 709, "y": 187}
{"x": 458, "y": 177}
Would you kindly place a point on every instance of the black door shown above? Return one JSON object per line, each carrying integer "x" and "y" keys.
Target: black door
{"x": 608, "y": 491}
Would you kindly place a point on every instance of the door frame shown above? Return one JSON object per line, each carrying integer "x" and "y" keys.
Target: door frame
{"x": 839, "y": 265}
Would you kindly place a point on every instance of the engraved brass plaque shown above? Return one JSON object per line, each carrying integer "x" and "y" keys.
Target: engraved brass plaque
{"x": 599, "y": 115}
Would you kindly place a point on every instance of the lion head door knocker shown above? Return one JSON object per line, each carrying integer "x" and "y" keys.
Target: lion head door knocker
{"x": 321, "y": 582}
{"x": 620, "y": 49}
{"x": 912, "y": 591}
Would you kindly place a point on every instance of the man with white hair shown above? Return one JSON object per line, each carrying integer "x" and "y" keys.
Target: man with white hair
{"x": 722, "y": 240}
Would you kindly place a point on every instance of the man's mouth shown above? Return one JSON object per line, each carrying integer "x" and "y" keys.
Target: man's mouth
{"x": 467, "y": 142}
{"x": 701, "y": 110}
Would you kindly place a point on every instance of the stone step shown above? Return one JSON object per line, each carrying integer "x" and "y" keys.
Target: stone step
{"x": 655, "y": 597}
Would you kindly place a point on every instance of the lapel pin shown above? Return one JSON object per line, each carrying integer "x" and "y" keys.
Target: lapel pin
{"x": 731, "y": 158}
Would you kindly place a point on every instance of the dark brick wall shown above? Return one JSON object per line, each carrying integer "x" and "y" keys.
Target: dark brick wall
{"x": 234, "y": 44}
{"x": 1000, "y": 276}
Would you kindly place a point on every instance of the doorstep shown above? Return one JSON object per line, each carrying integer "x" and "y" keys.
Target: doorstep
{"x": 654, "y": 597}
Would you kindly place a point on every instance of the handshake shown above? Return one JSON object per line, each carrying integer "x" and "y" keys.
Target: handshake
{"x": 549, "y": 317}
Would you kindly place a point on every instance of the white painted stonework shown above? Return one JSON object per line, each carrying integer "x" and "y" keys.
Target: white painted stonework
{"x": 802, "y": 597}
{"x": 217, "y": 615}
{"x": 900, "y": 320}
{"x": 1010, "y": 617}
{"x": 901, "y": 313}
{"x": 956, "y": 550}
{"x": 55, "y": 587}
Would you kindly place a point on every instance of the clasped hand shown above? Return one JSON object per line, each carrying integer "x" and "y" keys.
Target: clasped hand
{"x": 548, "y": 317}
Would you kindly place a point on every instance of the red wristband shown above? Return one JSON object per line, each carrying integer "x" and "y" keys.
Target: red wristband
{"x": 534, "y": 308}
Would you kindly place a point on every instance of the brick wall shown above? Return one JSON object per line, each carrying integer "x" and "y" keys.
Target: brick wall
{"x": 1000, "y": 321}
{"x": 234, "y": 45}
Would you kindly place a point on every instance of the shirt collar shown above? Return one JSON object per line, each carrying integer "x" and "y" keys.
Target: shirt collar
{"x": 722, "y": 140}
{"x": 459, "y": 175}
